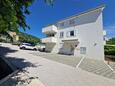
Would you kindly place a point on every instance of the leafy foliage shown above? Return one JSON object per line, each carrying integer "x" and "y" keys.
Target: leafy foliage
{"x": 7, "y": 36}
{"x": 24, "y": 37}
{"x": 111, "y": 41}
{"x": 109, "y": 50}
{"x": 13, "y": 14}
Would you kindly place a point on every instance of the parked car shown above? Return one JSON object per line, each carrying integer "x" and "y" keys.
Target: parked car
{"x": 28, "y": 46}
{"x": 41, "y": 47}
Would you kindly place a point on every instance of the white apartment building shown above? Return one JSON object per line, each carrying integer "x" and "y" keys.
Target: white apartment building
{"x": 78, "y": 35}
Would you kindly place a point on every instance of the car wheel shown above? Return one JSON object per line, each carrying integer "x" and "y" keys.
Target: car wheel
{"x": 23, "y": 48}
{"x": 20, "y": 48}
{"x": 35, "y": 49}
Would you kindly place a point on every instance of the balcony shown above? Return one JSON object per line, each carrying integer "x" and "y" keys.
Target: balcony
{"x": 49, "y": 40}
{"x": 50, "y": 29}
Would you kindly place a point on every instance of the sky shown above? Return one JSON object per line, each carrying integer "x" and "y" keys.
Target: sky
{"x": 43, "y": 14}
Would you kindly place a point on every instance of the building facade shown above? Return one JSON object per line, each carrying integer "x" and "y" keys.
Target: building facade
{"x": 14, "y": 36}
{"x": 78, "y": 35}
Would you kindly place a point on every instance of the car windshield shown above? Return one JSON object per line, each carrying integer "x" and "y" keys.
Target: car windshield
{"x": 28, "y": 44}
{"x": 32, "y": 45}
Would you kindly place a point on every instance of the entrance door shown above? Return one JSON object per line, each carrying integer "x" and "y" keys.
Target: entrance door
{"x": 69, "y": 49}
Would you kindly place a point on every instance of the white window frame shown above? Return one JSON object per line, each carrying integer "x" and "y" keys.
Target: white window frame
{"x": 68, "y": 33}
{"x": 83, "y": 50}
{"x": 61, "y": 34}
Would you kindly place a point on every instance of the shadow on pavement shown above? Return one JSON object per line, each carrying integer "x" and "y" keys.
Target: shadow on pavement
{"x": 18, "y": 63}
{"x": 5, "y": 50}
{"x": 6, "y": 62}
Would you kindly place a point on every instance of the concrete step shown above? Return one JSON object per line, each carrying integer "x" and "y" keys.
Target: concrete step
{"x": 97, "y": 67}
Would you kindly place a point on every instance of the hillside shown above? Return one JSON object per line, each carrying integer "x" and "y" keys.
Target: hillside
{"x": 24, "y": 37}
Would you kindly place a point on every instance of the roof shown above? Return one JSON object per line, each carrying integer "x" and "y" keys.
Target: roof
{"x": 79, "y": 14}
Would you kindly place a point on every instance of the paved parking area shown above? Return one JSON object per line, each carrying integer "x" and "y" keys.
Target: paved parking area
{"x": 94, "y": 66}
{"x": 65, "y": 59}
{"x": 54, "y": 73}
{"x": 112, "y": 64}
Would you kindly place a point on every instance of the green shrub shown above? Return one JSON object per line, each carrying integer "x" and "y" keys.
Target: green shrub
{"x": 2, "y": 40}
{"x": 24, "y": 37}
{"x": 109, "y": 50}
{"x": 111, "y": 41}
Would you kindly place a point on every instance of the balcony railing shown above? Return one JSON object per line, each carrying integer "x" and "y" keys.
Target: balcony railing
{"x": 49, "y": 29}
{"x": 49, "y": 40}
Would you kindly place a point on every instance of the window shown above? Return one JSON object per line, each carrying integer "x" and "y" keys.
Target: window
{"x": 61, "y": 34}
{"x": 50, "y": 35}
{"x": 62, "y": 24}
{"x": 72, "y": 33}
{"x": 82, "y": 50}
{"x": 72, "y": 21}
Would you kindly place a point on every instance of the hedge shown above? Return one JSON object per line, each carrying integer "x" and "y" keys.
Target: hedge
{"x": 109, "y": 50}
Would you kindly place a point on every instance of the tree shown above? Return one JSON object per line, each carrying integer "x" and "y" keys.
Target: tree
{"x": 24, "y": 37}
{"x": 13, "y": 14}
{"x": 111, "y": 41}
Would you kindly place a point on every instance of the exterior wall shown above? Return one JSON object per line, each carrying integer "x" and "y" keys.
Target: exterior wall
{"x": 14, "y": 36}
{"x": 89, "y": 33}
{"x": 91, "y": 37}
{"x": 51, "y": 47}
{"x": 17, "y": 37}
{"x": 104, "y": 37}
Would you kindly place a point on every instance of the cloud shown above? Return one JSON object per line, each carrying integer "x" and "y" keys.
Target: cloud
{"x": 110, "y": 30}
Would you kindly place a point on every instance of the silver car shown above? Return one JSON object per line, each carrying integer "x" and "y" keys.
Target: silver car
{"x": 28, "y": 46}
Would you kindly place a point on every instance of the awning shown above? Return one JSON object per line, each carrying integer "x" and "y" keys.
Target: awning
{"x": 71, "y": 41}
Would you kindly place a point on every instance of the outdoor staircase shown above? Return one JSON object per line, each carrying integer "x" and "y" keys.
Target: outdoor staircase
{"x": 112, "y": 64}
{"x": 97, "y": 67}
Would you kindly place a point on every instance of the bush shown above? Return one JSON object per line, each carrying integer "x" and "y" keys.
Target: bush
{"x": 111, "y": 41}
{"x": 1, "y": 40}
{"x": 4, "y": 41}
{"x": 24, "y": 37}
{"x": 109, "y": 50}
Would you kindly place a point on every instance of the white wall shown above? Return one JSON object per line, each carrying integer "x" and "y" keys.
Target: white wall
{"x": 89, "y": 32}
{"x": 91, "y": 37}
